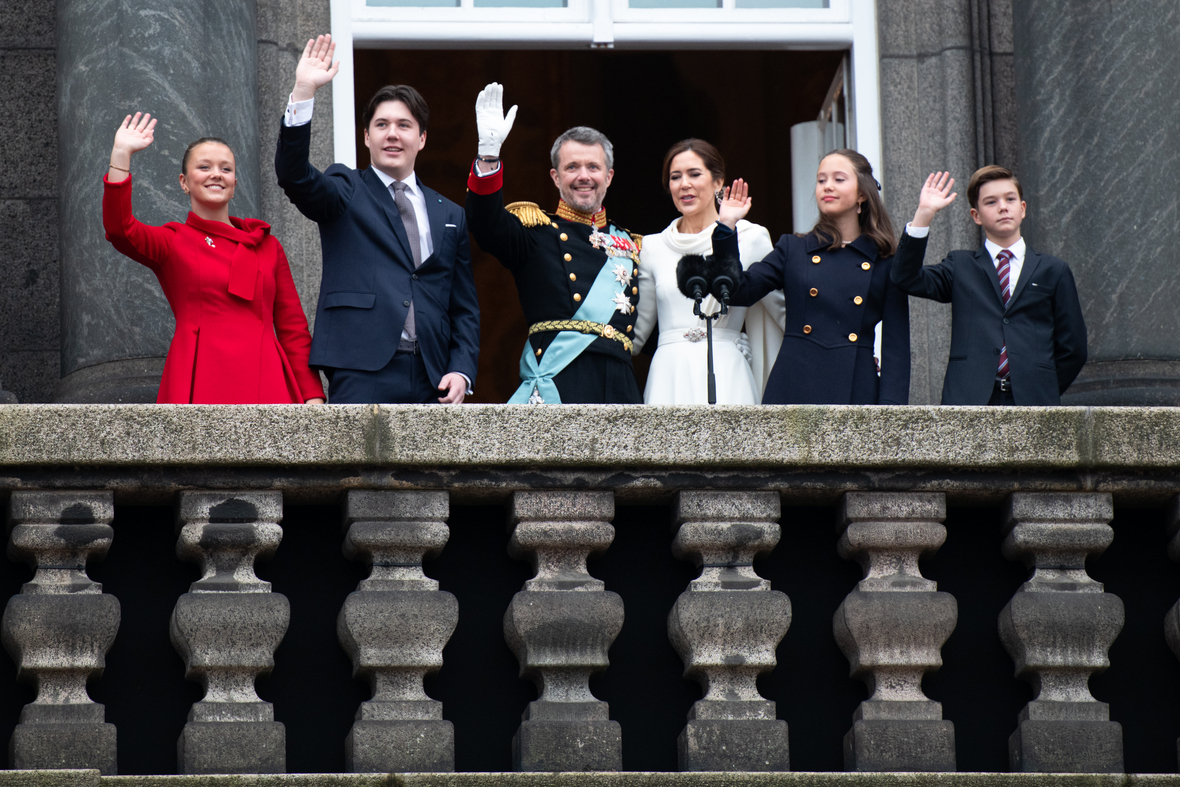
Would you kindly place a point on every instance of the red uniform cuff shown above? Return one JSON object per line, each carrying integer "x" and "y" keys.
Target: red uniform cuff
{"x": 489, "y": 184}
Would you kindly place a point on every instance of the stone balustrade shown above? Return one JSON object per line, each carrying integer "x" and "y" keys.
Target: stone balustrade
{"x": 722, "y": 486}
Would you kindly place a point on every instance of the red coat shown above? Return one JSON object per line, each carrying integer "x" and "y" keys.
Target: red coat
{"x": 231, "y": 291}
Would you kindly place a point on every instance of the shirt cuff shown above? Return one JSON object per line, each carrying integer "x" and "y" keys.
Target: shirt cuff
{"x": 916, "y": 232}
{"x": 298, "y": 112}
{"x": 469, "y": 390}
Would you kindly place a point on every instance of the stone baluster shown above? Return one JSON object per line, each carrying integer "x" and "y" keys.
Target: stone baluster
{"x": 1058, "y": 628}
{"x": 726, "y": 627}
{"x": 394, "y": 627}
{"x": 59, "y": 628}
{"x": 891, "y": 628}
{"x": 560, "y": 627}
{"x": 1172, "y": 619}
{"x": 226, "y": 628}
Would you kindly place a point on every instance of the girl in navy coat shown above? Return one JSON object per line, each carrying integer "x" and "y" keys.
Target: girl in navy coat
{"x": 837, "y": 287}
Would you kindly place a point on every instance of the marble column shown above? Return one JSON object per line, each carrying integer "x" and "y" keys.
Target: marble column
{"x": 1058, "y": 628}
{"x": 226, "y": 628}
{"x": 1095, "y": 94}
{"x": 394, "y": 628}
{"x": 59, "y": 629}
{"x": 726, "y": 627}
{"x": 560, "y": 626}
{"x": 892, "y": 628}
{"x": 115, "y": 57}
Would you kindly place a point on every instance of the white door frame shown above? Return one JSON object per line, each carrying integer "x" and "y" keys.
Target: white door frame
{"x": 848, "y": 24}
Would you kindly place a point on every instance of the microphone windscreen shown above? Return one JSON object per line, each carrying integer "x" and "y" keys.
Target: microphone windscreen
{"x": 690, "y": 266}
{"x": 727, "y": 265}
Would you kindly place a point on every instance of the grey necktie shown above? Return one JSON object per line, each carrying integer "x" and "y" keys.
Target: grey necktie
{"x": 410, "y": 222}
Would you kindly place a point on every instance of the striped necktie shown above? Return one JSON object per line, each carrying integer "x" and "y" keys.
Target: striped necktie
{"x": 1004, "y": 269}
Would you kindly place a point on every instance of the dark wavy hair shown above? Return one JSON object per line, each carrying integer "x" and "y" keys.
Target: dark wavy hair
{"x": 405, "y": 94}
{"x": 710, "y": 157}
{"x": 874, "y": 221}
{"x": 189, "y": 151}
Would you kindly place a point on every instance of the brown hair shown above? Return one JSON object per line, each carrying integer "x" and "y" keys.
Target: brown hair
{"x": 710, "y": 156}
{"x": 874, "y": 222}
{"x": 405, "y": 94}
{"x": 189, "y": 150}
{"x": 987, "y": 175}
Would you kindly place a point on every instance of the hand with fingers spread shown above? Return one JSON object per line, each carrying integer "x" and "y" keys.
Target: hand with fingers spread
{"x": 735, "y": 203}
{"x": 490, "y": 120}
{"x": 135, "y": 134}
{"x": 315, "y": 68}
{"x": 936, "y": 194}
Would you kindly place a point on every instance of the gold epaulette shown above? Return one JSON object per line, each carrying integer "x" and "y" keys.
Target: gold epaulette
{"x": 638, "y": 240}
{"x": 529, "y": 213}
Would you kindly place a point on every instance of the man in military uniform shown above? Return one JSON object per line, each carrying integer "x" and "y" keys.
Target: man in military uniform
{"x": 575, "y": 271}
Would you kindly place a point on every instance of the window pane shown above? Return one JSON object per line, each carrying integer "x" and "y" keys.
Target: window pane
{"x": 782, "y": 3}
{"x": 414, "y": 3}
{"x": 520, "y": 3}
{"x": 675, "y": 3}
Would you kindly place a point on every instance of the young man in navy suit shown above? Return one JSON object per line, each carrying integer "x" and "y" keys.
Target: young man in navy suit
{"x": 1017, "y": 333}
{"x": 398, "y": 318}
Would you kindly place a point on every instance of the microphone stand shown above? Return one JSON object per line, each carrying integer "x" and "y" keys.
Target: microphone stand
{"x": 709, "y": 318}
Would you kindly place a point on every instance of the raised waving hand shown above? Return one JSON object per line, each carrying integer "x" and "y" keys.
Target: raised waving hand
{"x": 936, "y": 194}
{"x": 135, "y": 134}
{"x": 315, "y": 68}
{"x": 735, "y": 203}
{"x": 491, "y": 122}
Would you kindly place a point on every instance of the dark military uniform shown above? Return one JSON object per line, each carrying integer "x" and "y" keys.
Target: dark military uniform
{"x": 554, "y": 263}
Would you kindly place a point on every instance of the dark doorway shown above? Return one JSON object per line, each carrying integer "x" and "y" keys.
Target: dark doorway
{"x": 744, "y": 102}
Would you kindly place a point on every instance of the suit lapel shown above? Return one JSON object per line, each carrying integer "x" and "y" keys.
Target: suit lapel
{"x": 435, "y": 213}
{"x": 984, "y": 260}
{"x": 1031, "y": 261}
{"x": 385, "y": 200}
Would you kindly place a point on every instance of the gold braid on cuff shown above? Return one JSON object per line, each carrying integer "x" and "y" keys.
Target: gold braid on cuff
{"x": 582, "y": 326}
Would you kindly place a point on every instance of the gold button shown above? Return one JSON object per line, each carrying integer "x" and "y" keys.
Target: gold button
{"x": 563, "y": 236}
{"x": 538, "y": 351}
{"x": 608, "y": 331}
{"x": 568, "y": 258}
{"x": 852, "y": 337}
{"x": 554, "y": 223}
{"x": 814, "y": 292}
{"x": 815, "y": 259}
{"x": 865, "y": 266}
{"x": 629, "y": 327}
{"x": 635, "y": 272}
{"x": 573, "y": 277}
{"x": 634, "y": 290}
{"x": 806, "y": 329}
{"x": 858, "y": 300}
{"x": 577, "y": 297}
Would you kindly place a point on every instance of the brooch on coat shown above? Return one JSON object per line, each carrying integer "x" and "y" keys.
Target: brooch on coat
{"x": 210, "y": 242}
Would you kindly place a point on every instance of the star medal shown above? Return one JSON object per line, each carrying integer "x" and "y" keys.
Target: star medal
{"x": 622, "y": 275}
{"x": 623, "y": 303}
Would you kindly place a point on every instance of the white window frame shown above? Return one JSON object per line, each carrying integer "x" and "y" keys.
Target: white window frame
{"x": 847, "y": 24}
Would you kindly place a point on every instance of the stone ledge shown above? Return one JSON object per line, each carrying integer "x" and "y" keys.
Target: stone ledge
{"x": 584, "y": 436}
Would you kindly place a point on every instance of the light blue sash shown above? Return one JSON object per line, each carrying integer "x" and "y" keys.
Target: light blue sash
{"x": 598, "y": 306}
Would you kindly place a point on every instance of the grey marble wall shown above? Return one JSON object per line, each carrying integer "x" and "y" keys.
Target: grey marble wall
{"x": 1100, "y": 140}
{"x": 29, "y": 334}
{"x": 946, "y": 104}
{"x": 193, "y": 66}
{"x": 283, "y": 28}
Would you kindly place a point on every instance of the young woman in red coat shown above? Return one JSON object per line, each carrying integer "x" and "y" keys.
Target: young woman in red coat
{"x": 241, "y": 335}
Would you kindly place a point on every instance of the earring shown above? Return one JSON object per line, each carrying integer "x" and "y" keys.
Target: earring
{"x": 719, "y": 195}
{"x": 858, "y": 207}
{"x": 186, "y": 193}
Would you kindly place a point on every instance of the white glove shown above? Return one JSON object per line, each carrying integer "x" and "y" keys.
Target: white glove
{"x": 743, "y": 345}
{"x": 490, "y": 119}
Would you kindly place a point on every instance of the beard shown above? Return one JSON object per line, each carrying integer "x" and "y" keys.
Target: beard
{"x": 587, "y": 202}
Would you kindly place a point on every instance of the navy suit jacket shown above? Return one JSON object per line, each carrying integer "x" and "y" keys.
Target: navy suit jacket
{"x": 1042, "y": 325}
{"x": 369, "y": 276}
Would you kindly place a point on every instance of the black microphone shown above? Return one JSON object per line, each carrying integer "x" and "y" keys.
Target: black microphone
{"x": 727, "y": 271}
{"x": 691, "y": 273}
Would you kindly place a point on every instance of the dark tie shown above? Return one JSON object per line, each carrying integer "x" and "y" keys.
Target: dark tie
{"x": 1004, "y": 258}
{"x": 410, "y": 222}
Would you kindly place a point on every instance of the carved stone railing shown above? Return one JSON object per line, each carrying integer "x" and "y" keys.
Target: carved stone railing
{"x": 729, "y": 477}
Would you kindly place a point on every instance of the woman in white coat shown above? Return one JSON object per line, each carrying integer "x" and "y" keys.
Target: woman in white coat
{"x": 694, "y": 174}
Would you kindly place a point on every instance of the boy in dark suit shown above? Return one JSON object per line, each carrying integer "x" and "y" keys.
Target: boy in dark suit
{"x": 1017, "y": 334}
{"x": 398, "y": 317}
